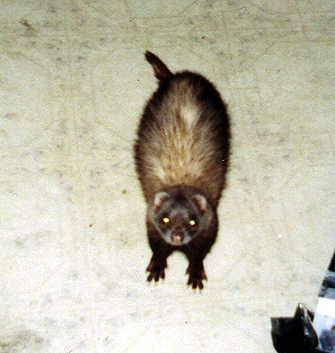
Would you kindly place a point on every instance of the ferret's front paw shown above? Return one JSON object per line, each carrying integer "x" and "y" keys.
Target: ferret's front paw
{"x": 156, "y": 269}
{"x": 196, "y": 276}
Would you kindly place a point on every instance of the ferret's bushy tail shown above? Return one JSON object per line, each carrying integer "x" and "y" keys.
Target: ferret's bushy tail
{"x": 161, "y": 70}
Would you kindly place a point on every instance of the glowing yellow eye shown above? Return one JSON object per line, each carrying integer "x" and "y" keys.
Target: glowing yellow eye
{"x": 192, "y": 222}
{"x": 166, "y": 220}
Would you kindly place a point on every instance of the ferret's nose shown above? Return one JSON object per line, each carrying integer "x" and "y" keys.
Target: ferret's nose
{"x": 177, "y": 237}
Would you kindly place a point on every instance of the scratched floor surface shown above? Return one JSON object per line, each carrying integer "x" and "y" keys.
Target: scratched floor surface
{"x": 73, "y": 249}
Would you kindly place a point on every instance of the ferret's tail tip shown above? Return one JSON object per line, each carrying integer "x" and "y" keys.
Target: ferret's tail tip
{"x": 161, "y": 70}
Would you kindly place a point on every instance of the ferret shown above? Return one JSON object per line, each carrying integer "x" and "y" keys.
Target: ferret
{"x": 181, "y": 156}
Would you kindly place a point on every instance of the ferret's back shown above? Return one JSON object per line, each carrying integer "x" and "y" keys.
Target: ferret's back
{"x": 183, "y": 137}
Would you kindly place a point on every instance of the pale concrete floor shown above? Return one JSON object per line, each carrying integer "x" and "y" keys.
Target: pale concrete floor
{"x": 73, "y": 248}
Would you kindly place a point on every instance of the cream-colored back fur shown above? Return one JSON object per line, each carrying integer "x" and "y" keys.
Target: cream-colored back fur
{"x": 182, "y": 148}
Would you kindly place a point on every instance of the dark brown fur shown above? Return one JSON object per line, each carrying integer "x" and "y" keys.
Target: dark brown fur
{"x": 181, "y": 156}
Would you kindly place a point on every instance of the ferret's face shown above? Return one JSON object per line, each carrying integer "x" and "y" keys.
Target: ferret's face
{"x": 179, "y": 218}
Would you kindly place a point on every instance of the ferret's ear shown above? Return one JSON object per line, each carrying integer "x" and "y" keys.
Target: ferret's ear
{"x": 201, "y": 202}
{"x": 160, "y": 197}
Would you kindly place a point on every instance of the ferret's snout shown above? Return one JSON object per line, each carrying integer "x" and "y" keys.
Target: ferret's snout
{"x": 177, "y": 237}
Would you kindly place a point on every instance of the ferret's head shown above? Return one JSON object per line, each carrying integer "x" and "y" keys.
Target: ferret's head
{"x": 180, "y": 214}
